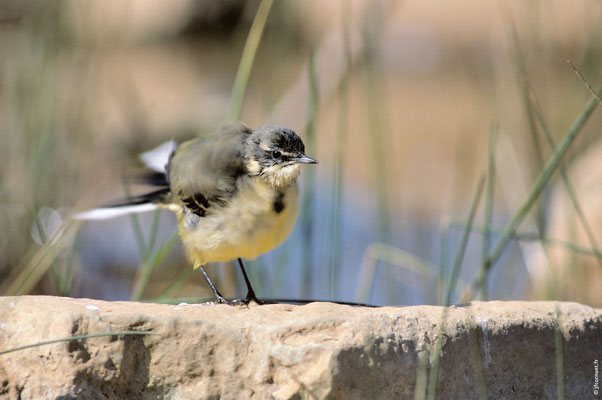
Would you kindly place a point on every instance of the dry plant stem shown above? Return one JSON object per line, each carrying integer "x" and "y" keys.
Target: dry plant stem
{"x": 585, "y": 82}
{"x": 540, "y": 182}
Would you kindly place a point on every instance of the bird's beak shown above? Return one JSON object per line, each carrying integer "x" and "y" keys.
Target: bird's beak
{"x": 305, "y": 160}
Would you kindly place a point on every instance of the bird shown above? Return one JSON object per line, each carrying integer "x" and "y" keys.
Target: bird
{"x": 235, "y": 194}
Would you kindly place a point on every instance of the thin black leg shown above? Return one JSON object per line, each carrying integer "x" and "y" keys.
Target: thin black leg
{"x": 250, "y": 291}
{"x": 218, "y": 296}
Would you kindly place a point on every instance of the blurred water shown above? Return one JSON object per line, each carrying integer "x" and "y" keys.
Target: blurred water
{"x": 109, "y": 257}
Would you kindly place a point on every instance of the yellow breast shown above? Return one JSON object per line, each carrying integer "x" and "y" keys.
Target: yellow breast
{"x": 247, "y": 227}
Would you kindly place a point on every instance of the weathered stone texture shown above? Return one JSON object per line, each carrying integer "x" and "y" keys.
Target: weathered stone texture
{"x": 320, "y": 350}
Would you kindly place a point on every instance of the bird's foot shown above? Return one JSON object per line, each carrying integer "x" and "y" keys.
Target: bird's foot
{"x": 219, "y": 299}
{"x": 252, "y": 298}
{"x": 240, "y": 302}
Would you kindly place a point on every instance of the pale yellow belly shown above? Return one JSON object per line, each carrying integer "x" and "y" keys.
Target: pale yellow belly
{"x": 247, "y": 227}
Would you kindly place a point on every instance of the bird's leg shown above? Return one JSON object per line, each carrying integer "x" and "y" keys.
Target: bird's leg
{"x": 250, "y": 292}
{"x": 218, "y": 296}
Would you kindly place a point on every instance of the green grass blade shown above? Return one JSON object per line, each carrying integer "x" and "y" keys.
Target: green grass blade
{"x": 377, "y": 123}
{"x": 149, "y": 265}
{"x": 56, "y": 276}
{"x": 142, "y": 247}
{"x": 455, "y": 272}
{"x": 476, "y": 362}
{"x": 559, "y": 350}
{"x": 421, "y": 375}
{"x": 23, "y": 280}
{"x": 536, "y": 116}
{"x": 247, "y": 59}
{"x": 176, "y": 284}
{"x": 66, "y": 278}
{"x": 78, "y": 337}
{"x": 378, "y": 129}
{"x": 438, "y": 346}
{"x": 154, "y": 229}
{"x": 309, "y": 181}
{"x": 535, "y": 147}
{"x": 402, "y": 259}
{"x": 566, "y": 181}
{"x": 489, "y": 200}
{"x": 540, "y": 182}
{"x": 443, "y": 252}
{"x": 341, "y": 140}
{"x": 532, "y": 237}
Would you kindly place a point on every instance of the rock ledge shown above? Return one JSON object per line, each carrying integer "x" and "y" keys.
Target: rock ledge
{"x": 320, "y": 350}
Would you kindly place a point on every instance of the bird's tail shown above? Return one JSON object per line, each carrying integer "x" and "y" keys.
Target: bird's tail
{"x": 156, "y": 160}
{"x": 138, "y": 204}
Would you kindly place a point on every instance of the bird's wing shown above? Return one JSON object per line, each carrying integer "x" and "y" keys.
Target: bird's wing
{"x": 203, "y": 172}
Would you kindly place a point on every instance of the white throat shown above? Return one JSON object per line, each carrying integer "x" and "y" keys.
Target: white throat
{"x": 279, "y": 176}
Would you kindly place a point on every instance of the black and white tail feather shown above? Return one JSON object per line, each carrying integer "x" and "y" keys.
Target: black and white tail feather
{"x": 157, "y": 160}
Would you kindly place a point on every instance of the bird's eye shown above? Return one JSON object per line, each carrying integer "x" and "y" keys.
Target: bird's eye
{"x": 276, "y": 154}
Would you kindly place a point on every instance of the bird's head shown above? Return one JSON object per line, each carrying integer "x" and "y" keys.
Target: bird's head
{"x": 275, "y": 153}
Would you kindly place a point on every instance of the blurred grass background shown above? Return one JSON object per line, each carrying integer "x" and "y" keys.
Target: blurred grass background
{"x": 405, "y": 104}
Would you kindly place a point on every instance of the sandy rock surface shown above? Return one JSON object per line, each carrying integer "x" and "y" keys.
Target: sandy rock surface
{"x": 320, "y": 350}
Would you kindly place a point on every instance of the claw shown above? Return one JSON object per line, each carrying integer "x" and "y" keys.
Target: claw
{"x": 250, "y": 292}
{"x": 219, "y": 299}
{"x": 252, "y": 298}
{"x": 234, "y": 302}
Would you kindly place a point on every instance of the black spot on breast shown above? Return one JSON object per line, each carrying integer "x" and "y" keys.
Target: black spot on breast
{"x": 279, "y": 203}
